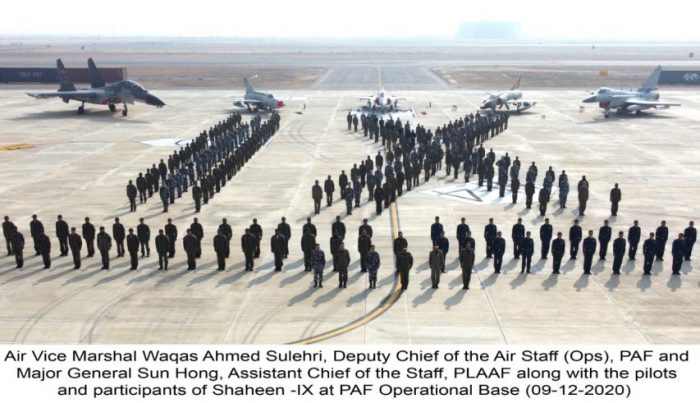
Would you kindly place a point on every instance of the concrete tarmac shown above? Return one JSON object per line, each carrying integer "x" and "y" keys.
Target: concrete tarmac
{"x": 79, "y": 165}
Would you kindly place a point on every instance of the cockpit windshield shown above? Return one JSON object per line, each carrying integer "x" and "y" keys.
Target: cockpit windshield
{"x": 133, "y": 85}
{"x": 603, "y": 90}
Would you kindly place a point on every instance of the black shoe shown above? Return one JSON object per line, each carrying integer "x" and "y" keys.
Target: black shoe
{"x": 320, "y": 286}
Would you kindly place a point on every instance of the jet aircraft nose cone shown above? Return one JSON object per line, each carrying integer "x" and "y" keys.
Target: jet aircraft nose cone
{"x": 280, "y": 104}
{"x": 592, "y": 98}
{"x": 154, "y": 100}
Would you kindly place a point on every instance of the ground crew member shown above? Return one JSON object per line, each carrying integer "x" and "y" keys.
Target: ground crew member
{"x": 36, "y": 228}
{"x": 545, "y": 237}
{"x": 8, "y": 231}
{"x": 649, "y": 252}
{"x": 498, "y": 249}
{"x": 589, "y": 247}
{"x": 466, "y": 262}
{"x": 132, "y": 245}
{"x": 690, "y": 235}
{"x": 318, "y": 263}
{"x": 619, "y": 246}
{"x": 634, "y": 234}
{"x": 661, "y": 238}
{"x": 373, "y": 263}
{"x": 615, "y": 197}
{"x": 131, "y": 195}
{"x": 528, "y": 249}
{"x": 104, "y": 244}
{"x": 89, "y": 236}
{"x": 248, "y": 247}
{"x": 285, "y": 230}
{"x": 329, "y": 188}
{"x": 404, "y": 262}
{"x": 277, "y": 249}
{"x": 17, "y": 245}
{"x": 518, "y": 234}
{"x": 604, "y": 235}
{"x": 678, "y": 253}
{"x": 144, "y": 234}
{"x": 343, "y": 258}
{"x": 308, "y": 240}
{"x": 317, "y": 195}
{"x": 163, "y": 249}
{"x": 118, "y": 233}
{"x": 558, "y": 250}
{"x": 490, "y": 232}
{"x": 62, "y": 235}
{"x": 192, "y": 245}
{"x": 575, "y": 236}
{"x": 221, "y": 247}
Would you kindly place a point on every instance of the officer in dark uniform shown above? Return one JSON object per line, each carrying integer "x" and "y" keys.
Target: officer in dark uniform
{"x": 257, "y": 232}
{"x": 589, "y": 247}
{"x": 634, "y": 234}
{"x": 545, "y": 237}
{"x": 248, "y": 248}
{"x": 582, "y": 195}
{"x": 661, "y": 238}
{"x": 527, "y": 249}
{"x": 435, "y": 230}
{"x": 404, "y": 262}
{"x": 349, "y": 196}
{"x": 309, "y": 227}
{"x": 615, "y": 197}
{"x": 44, "y": 246}
{"x": 118, "y": 233}
{"x": 197, "y": 197}
{"x": 141, "y": 186}
{"x": 436, "y": 261}
{"x": 649, "y": 252}
{"x": 277, "y": 243}
{"x": 221, "y": 247}
{"x": 62, "y": 233}
{"x": 378, "y": 198}
{"x": 317, "y": 195}
{"x": 558, "y": 250}
{"x": 285, "y": 230}
{"x": 171, "y": 233}
{"x": 490, "y": 235}
{"x": 514, "y": 188}
{"x": 466, "y": 262}
{"x": 163, "y": 249}
{"x": 193, "y": 246}
{"x": 226, "y": 229}
{"x": 619, "y": 246}
{"x": 529, "y": 193}
{"x": 8, "y": 231}
{"x": 604, "y": 236}
{"x": 335, "y": 242}
{"x": 690, "y": 235}
{"x": 462, "y": 230}
{"x": 104, "y": 244}
{"x": 365, "y": 227}
{"x": 132, "y": 246}
{"x": 343, "y": 261}
{"x": 17, "y": 245}
{"x": 444, "y": 245}
{"x": 308, "y": 240}
{"x": 165, "y": 197}
{"x": 89, "y": 236}
{"x": 144, "y": 234}
{"x": 131, "y": 193}
{"x": 329, "y": 188}
{"x": 678, "y": 253}
{"x": 198, "y": 233}
{"x": 400, "y": 243}
{"x": 575, "y": 236}
{"x": 543, "y": 198}
{"x": 318, "y": 263}
{"x": 363, "y": 245}
{"x": 373, "y": 263}
{"x": 36, "y": 228}
{"x": 338, "y": 227}
{"x": 518, "y": 234}
{"x": 498, "y": 250}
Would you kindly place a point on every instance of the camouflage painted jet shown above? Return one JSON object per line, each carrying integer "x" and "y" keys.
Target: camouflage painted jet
{"x": 645, "y": 97}
{"x": 255, "y": 100}
{"x": 510, "y": 98}
{"x": 122, "y": 92}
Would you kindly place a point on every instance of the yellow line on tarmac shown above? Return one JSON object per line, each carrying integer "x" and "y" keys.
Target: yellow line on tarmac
{"x": 12, "y": 147}
{"x": 388, "y": 301}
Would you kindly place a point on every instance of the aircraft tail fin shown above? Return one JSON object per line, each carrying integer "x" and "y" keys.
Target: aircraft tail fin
{"x": 652, "y": 81}
{"x": 96, "y": 80}
{"x": 248, "y": 87}
{"x": 516, "y": 84}
{"x": 65, "y": 83}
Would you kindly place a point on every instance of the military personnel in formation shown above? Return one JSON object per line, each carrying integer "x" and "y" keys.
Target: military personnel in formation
{"x": 462, "y": 230}
{"x": 357, "y": 192}
{"x": 545, "y": 237}
{"x": 400, "y": 243}
{"x": 490, "y": 234}
{"x": 619, "y": 247}
{"x": 634, "y": 235}
{"x": 649, "y": 252}
{"x": 514, "y": 189}
{"x": 436, "y": 261}
{"x": 36, "y": 228}
{"x": 8, "y": 231}
{"x": 582, "y": 195}
{"x": 132, "y": 246}
{"x": 197, "y": 196}
{"x": 678, "y": 253}
{"x": 349, "y": 119}
{"x": 444, "y": 245}
{"x": 62, "y": 233}
{"x": 575, "y": 237}
{"x": 17, "y": 245}
{"x": 518, "y": 234}
{"x": 543, "y": 198}
{"x": 329, "y": 189}
{"x": 308, "y": 241}
{"x": 162, "y": 249}
{"x": 104, "y": 245}
{"x": 379, "y": 198}
{"x": 89, "y": 236}
{"x": 318, "y": 263}
{"x": 343, "y": 262}
{"x": 335, "y": 242}
{"x": 435, "y": 230}
{"x": 366, "y": 228}
{"x": 373, "y": 263}
{"x": 349, "y": 196}
{"x": 257, "y": 232}
{"x": 529, "y": 194}
{"x": 690, "y": 235}
{"x": 527, "y": 249}
{"x": 193, "y": 246}
{"x": 226, "y": 229}
{"x": 44, "y": 246}
{"x": 558, "y": 250}
{"x": 661, "y": 238}
{"x": 466, "y": 262}
{"x": 197, "y": 231}
{"x": 563, "y": 189}
{"x": 589, "y": 247}
{"x": 143, "y": 231}
{"x": 317, "y": 195}
{"x": 615, "y": 197}
{"x": 363, "y": 245}
{"x": 309, "y": 227}
{"x": 338, "y": 227}
{"x": 498, "y": 249}
{"x": 404, "y": 262}
{"x": 119, "y": 234}
{"x": 277, "y": 248}
{"x": 502, "y": 182}
{"x": 171, "y": 234}
{"x": 131, "y": 195}
{"x": 285, "y": 230}
{"x": 604, "y": 236}
{"x": 165, "y": 196}
{"x": 248, "y": 248}
{"x": 221, "y": 248}
{"x": 141, "y": 186}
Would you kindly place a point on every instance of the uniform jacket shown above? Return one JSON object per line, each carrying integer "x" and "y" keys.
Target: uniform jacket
{"x": 343, "y": 259}
{"x": 318, "y": 260}
{"x": 373, "y": 261}
{"x": 404, "y": 261}
{"x": 589, "y": 246}
{"x": 162, "y": 244}
{"x": 399, "y": 245}
{"x": 277, "y": 243}
{"x": 142, "y": 230}
{"x": 619, "y": 247}
{"x": 466, "y": 259}
{"x": 649, "y": 247}
{"x": 308, "y": 242}
{"x": 678, "y": 248}
{"x": 546, "y": 232}
{"x": 575, "y": 233}
{"x": 558, "y": 247}
{"x": 528, "y": 247}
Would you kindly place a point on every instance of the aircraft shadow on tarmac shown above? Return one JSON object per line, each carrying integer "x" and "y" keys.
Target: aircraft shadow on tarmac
{"x": 629, "y": 116}
{"x": 94, "y": 115}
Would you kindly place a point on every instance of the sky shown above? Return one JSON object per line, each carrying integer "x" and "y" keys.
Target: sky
{"x": 585, "y": 20}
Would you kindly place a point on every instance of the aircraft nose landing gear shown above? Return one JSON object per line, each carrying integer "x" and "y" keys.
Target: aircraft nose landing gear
{"x": 81, "y": 109}
{"x": 112, "y": 108}
{"x": 125, "y": 111}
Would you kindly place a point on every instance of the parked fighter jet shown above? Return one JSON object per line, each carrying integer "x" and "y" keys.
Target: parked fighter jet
{"x": 381, "y": 101}
{"x": 121, "y": 92}
{"x": 510, "y": 98}
{"x": 255, "y": 100}
{"x": 645, "y": 97}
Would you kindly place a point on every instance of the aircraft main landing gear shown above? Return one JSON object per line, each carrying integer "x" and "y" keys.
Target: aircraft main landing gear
{"x": 125, "y": 111}
{"x": 638, "y": 113}
{"x": 112, "y": 108}
{"x": 81, "y": 109}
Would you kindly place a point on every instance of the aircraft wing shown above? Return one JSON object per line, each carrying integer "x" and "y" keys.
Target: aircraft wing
{"x": 247, "y": 101}
{"x": 79, "y": 95}
{"x": 646, "y": 102}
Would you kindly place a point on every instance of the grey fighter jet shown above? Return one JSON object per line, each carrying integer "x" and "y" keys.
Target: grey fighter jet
{"x": 122, "y": 92}
{"x": 510, "y": 99}
{"x": 646, "y": 97}
{"x": 256, "y": 100}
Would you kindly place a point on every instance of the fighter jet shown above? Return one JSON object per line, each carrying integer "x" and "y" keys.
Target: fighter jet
{"x": 121, "y": 92}
{"x": 381, "y": 101}
{"x": 510, "y": 98}
{"x": 645, "y": 97}
{"x": 255, "y": 100}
